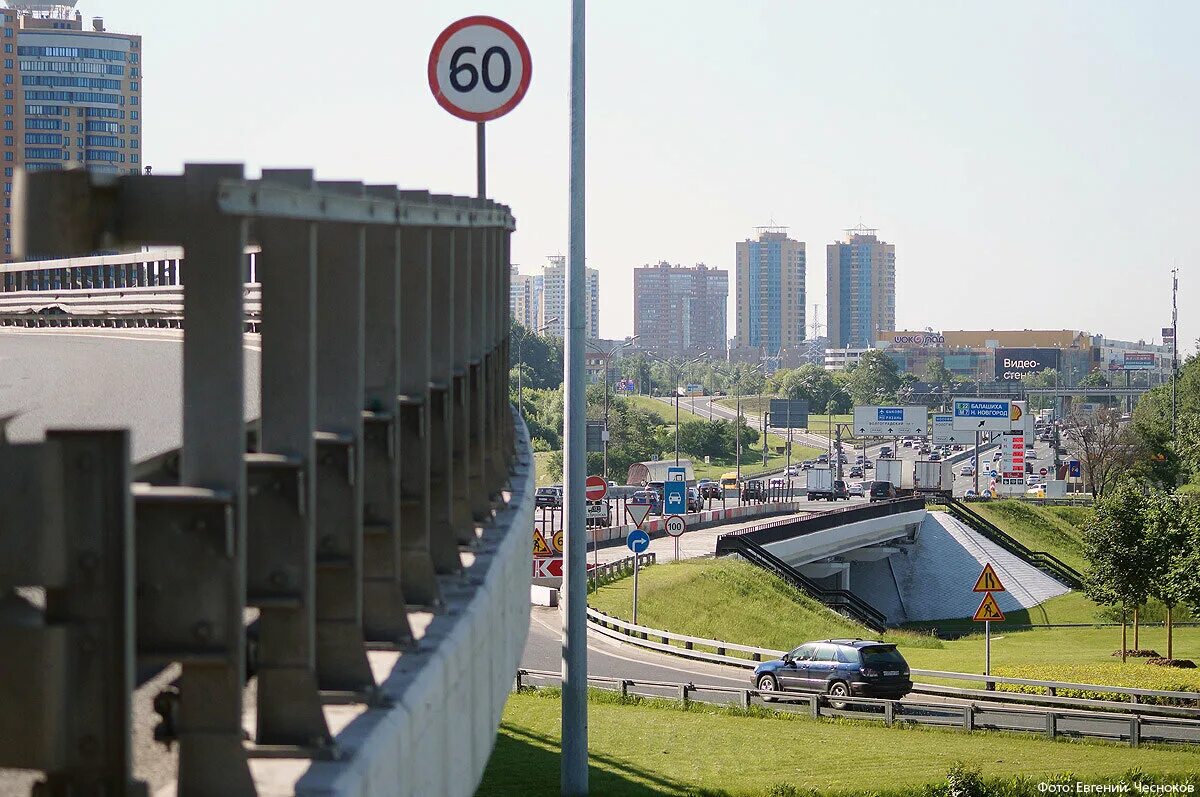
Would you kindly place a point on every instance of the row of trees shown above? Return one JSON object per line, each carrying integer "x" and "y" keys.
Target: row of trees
{"x": 1144, "y": 544}
{"x": 635, "y": 434}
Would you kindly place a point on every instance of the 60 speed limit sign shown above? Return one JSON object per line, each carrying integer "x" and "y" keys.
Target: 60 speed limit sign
{"x": 479, "y": 68}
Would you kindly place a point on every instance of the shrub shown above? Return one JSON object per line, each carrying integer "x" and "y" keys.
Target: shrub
{"x": 1133, "y": 675}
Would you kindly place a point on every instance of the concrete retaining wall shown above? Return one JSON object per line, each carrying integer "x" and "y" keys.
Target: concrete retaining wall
{"x": 828, "y": 542}
{"x": 447, "y": 696}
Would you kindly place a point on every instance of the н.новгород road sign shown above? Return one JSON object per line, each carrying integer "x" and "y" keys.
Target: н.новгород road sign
{"x": 983, "y": 415}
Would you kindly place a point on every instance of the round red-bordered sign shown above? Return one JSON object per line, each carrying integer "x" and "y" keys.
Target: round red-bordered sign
{"x": 479, "y": 68}
{"x": 675, "y": 525}
{"x": 595, "y": 488}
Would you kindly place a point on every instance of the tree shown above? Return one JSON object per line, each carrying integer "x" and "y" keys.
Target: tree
{"x": 1120, "y": 562}
{"x": 1167, "y": 534}
{"x": 1107, "y": 447}
{"x": 1046, "y": 378}
{"x": 542, "y": 354}
{"x": 875, "y": 379}
{"x": 937, "y": 373}
{"x": 1184, "y": 572}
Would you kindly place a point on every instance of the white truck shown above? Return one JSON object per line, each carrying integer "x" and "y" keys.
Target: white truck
{"x": 896, "y": 471}
{"x": 933, "y": 477}
{"x": 823, "y": 484}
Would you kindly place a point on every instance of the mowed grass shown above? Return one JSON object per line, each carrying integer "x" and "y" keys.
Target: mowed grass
{"x": 650, "y": 748}
{"x": 733, "y": 601}
{"x": 1055, "y": 530}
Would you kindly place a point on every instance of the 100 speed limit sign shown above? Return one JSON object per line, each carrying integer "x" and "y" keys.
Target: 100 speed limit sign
{"x": 479, "y": 68}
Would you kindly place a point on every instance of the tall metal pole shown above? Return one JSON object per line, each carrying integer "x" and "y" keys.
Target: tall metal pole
{"x": 480, "y": 161}
{"x": 574, "y": 763}
{"x": 737, "y": 438}
{"x": 1174, "y": 342}
{"x": 520, "y": 373}
{"x": 677, "y": 423}
{"x": 606, "y": 361}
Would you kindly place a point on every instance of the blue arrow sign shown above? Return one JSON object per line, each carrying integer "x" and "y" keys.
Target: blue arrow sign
{"x": 637, "y": 540}
{"x": 1074, "y": 470}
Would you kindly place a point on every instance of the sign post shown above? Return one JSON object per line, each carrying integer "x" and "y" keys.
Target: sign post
{"x": 479, "y": 69}
{"x": 637, "y": 541}
{"x": 676, "y": 526}
{"x": 987, "y": 583}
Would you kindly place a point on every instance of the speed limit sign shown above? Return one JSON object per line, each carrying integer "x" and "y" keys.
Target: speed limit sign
{"x": 479, "y": 68}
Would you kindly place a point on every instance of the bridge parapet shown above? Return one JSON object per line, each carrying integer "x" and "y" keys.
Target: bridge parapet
{"x": 387, "y": 481}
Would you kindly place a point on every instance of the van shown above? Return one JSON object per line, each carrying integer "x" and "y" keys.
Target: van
{"x": 729, "y": 481}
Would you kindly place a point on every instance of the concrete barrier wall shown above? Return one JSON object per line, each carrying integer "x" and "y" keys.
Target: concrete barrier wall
{"x": 615, "y": 535}
{"x": 827, "y": 542}
{"x": 445, "y": 697}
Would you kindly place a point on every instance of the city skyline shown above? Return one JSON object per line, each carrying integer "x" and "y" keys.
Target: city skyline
{"x": 1074, "y": 192}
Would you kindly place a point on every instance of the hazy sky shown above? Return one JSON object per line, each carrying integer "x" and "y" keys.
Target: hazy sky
{"x": 1034, "y": 163}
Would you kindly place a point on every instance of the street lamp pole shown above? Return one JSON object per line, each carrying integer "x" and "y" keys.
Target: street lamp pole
{"x": 607, "y": 360}
{"x": 521, "y": 366}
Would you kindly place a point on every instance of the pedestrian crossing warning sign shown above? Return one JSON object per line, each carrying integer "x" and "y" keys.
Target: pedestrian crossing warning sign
{"x": 540, "y": 548}
{"x": 988, "y": 581}
{"x": 988, "y": 610}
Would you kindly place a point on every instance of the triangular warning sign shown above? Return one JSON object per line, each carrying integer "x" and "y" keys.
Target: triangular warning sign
{"x": 988, "y": 581}
{"x": 988, "y": 610}
{"x": 637, "y": 513}
{"x": 540, "y": 548}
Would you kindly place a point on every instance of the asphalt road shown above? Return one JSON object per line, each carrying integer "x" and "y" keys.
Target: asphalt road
{"x": 101, "y": 378}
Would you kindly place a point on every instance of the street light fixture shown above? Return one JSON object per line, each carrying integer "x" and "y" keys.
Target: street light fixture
{"x": 521, "y": 365}
{"x": 608, "y": 356}
{"x": 735, "y": 377}
{"x": 677, "y": 367}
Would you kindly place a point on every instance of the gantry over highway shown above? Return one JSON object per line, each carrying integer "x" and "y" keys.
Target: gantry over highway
{"x": 373, "y": 522}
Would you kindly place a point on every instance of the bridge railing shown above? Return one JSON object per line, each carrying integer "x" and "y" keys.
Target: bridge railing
{"x": 377, "y": 486}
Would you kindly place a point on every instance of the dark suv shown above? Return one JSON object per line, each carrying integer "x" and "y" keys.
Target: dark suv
{"x": 548, "y": 498}
{"x": 839, "y": 668}
{"x": 754, "y": 491}
{"x": 882, "y": 491}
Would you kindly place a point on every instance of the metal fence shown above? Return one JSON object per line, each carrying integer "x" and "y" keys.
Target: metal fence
{"x": 966, "y": 716}
{"x": 382, "y": 450}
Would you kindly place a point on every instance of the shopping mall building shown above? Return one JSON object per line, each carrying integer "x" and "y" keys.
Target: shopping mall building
{"x": 1008, "y": 355}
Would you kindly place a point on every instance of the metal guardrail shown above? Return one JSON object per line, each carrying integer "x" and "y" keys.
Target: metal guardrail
{"x": 685, "y": 646}
{"x": 111, "y": 307}
{"x": 383, "y": 446}
{"x": 602, "y": 574}
{"x": 969, "y": 716}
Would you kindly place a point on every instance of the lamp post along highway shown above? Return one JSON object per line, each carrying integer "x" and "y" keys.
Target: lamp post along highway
{"x": 607, "y": 358}
{"x": 521, "y": 367}
{"x": 573, "y": 767}
{"x": 676, "y": 367}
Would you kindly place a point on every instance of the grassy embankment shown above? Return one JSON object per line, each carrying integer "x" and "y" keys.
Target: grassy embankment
{"x": 645, "y": 747}
{"x": 736, "y": 602}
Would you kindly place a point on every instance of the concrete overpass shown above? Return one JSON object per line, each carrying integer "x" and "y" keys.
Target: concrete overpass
{"x": 372, "y": 519}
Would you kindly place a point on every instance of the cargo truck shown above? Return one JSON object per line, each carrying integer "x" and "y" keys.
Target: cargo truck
{"x": 823, "y": 484}
{"x": 933, "y": 477}
{"x": 897, "y": 472}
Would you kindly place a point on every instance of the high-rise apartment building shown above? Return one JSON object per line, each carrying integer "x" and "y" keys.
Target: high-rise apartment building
{"x": 553, "y": 303}
{"x": 770, "y": 293}
{"x": 72, "y": 97}
{"x": 680, "y": 311}
{"x": 521, "y": 299}
{"x": 861, "y": 287}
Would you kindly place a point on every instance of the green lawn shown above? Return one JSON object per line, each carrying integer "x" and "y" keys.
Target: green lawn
{"x": 545, "y": 476}
{"x": 733, "y": 601}
{"x": 737, "y": 602}
{"x": 641, "y": 748}
{"x": 1053, "y": 529}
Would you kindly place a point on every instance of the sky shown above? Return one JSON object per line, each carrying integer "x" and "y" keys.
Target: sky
{"x": 1035, "y": 164}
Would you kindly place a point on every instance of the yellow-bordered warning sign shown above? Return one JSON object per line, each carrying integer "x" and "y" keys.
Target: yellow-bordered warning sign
{"x": 988, "y": 610}
{"x": 989, "y": 581}
{"x": 540, "y": 548}
{"x": 557, "y": 541}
